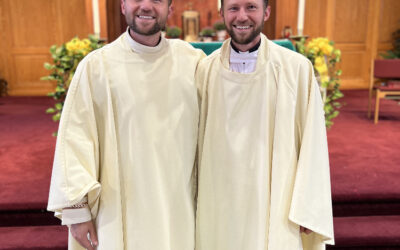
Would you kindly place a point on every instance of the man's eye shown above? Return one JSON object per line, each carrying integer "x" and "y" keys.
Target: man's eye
{"x": 252, "y": 7}
{"x": 233, "y": 8}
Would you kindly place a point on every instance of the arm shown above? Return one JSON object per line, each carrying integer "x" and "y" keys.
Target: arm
{"x": 311, "y": 206}
{"x": 76, "y": 162}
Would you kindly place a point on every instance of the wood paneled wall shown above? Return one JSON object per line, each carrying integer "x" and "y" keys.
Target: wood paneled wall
{"x": 360, "y": 28}
{"x": 28, "y": 29}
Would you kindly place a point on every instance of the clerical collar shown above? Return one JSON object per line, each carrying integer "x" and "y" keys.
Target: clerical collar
{"x": 252, "y": 49}
{"x": 140, "y": 48}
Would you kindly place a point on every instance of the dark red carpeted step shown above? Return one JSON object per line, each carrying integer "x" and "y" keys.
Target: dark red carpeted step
{"x": 34, "y": 238}
{"x": 366, "y": 208}
{"x": 18, "y": 218}
{"x": 367, "y": 231}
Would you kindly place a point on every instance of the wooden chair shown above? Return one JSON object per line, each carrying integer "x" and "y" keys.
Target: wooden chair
{"x": 385, "y": 82}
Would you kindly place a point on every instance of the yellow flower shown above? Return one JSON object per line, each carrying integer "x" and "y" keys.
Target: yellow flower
{"x": 320, "y": 65}
{"x": 327, "y": 49}
{"x": 324, "y": 78}
{"x": 86, "y": 43}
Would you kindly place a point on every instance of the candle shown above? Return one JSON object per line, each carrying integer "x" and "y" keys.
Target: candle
{"x": 300, "y": 17}
{"x": 96, "y": 17}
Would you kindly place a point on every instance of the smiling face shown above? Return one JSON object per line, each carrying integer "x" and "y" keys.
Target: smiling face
{"x": 146, "y": 17}
{"x": 244, "y": 20}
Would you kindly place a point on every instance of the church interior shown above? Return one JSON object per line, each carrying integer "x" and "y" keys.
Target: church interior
{"x": 359, "y": 43}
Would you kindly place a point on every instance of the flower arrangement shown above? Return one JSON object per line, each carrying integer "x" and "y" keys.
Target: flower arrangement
{"x": 174, "y": 32}
{"x": 324, "y": 56}
{"x": 65, "y": 60}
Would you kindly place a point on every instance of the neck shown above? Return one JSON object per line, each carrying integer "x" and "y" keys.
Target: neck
{"x": 247, "y": 46}
{"x": 151, "y": 40}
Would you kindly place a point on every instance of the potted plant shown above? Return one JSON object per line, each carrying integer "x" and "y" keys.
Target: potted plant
{"x": 220, "y": 27}
{"x": 174, "y": 32}
{"x": 207, "y": 34}
{"x": 395, "y": 52}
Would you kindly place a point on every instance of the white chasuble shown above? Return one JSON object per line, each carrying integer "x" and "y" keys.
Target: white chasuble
{"x": 263, "y": 159}
{"x": 127, "y": 140}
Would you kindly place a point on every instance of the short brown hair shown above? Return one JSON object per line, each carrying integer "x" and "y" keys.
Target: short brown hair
{"x": 265, "y": 3}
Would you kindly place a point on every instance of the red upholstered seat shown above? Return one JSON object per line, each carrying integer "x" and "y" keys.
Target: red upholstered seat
{"x": 388, "y": 68}
{"x": 385, "y": 82}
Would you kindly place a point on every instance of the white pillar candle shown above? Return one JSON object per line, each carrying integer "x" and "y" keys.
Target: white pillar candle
{"x": 300, "y": 17}
{"x": 96, "y": 17}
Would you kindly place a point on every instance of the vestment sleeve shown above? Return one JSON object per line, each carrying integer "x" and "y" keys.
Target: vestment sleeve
{"x": 311, "y": 204}
{"x": 76, "y": 161}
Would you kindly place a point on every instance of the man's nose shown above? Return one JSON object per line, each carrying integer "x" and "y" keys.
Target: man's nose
{"x": 242, "y": 15}
{"x": 145, "y": 5}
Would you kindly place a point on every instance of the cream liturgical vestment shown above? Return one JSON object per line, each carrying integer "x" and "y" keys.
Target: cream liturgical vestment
{"x": 264, "y": 168}
{"x": 127, "y": 140}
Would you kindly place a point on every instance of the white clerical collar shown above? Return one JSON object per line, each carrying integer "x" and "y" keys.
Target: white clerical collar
{"x": 243, "y": 56}
{"x": 243, "y": 62}
{"x": 140, "y": 48}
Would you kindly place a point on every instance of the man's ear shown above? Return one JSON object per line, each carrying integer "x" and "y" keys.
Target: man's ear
{"x": 267, "y": 13}
{"x": 123, "y": 6}
{"x": 170, "y": 11}
{"x": 221, "y": 12}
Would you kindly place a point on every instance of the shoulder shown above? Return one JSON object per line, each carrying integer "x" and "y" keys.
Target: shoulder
{"x": 296, "y": 71}
{"x": 210, "y": 59}
{"x": 182, "y": 47}
{"x": 285, "y": 57}
{"x": 109, "y": 52}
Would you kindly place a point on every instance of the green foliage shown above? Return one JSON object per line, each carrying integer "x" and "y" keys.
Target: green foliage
{"x": 207, "y": 32}
{"x": 65, "y": 61}
{"x": 219, "y": 25}
{"x": 174, "y": 32}
{"x": 395, "y": 52}
{"x": 323, "y": 55}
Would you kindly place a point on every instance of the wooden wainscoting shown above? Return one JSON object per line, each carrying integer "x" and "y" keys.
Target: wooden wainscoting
{"x": 360, "y": 28}
{"x": 28, "y": 29}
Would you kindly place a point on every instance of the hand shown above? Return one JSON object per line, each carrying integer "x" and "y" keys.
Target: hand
{"x": 305, "y": 230}
{"x": 80, "y": 231}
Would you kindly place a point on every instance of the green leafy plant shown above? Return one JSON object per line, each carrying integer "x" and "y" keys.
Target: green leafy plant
{"x": 174, "y": 32}
{"x": 219, "y": 25}
{"x": 207, "y": 32}
{"x": 395, "y": 52}
{"x": 65, "y": 60}
{"x": 324, "y": 56}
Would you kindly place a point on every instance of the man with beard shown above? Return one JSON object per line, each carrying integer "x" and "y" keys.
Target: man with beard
{"x": 263, "y": 160}
{"x": 123, "y": 175}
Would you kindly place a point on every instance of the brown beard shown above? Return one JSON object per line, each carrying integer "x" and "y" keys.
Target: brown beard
{"x": 156, "y": 27}
{"x": 248, "y": 40}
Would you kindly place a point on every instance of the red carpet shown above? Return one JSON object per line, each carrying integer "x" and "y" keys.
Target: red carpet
{"x": 364, "y": 157}
{"x": 365, "y": 172}
{"x": 26, "y": 152}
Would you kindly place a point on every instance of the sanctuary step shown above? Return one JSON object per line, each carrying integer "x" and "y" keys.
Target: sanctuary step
{"x": 366, "y": 208}
{"x": 20, "y": 218}
{"x": 367, "y": 232}
{"x": 34, "y": 238}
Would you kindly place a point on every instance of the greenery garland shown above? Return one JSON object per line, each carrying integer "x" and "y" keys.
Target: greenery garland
{"x": 65, "y": 60}
{"x": 324, "y": 57}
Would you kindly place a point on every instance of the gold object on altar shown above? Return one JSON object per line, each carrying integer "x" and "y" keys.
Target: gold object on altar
{"x": 191, "y": 24}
